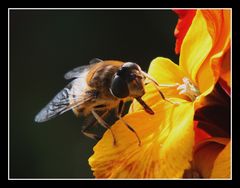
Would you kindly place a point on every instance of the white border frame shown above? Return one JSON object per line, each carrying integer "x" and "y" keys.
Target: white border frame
{"x": 108, "y": 9}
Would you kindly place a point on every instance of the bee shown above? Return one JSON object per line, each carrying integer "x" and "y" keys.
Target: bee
{"x": 98, "y": 88}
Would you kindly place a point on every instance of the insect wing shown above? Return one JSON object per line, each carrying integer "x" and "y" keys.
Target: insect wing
{"x": 55, "y": 107}
{"x": 94, "y": 61}
{"x": 76, "y": 72}
{"x": 79, "y": 71}
{"x": 70, "y": 97}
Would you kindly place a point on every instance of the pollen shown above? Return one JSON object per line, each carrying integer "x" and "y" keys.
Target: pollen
{"x": 188, "y": 89}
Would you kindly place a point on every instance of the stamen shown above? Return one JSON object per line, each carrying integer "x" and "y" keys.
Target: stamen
{"x": 188, "y": 89}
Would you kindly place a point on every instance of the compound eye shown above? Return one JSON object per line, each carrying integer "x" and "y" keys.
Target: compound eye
{"x": 119, "y": 87}
{"x": 131, "y": 66}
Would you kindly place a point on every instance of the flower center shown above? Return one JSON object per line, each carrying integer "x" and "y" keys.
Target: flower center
{"x": 188, "y": 89}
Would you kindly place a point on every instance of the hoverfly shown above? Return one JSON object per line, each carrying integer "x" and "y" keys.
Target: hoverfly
{"x": 98, "y": 88}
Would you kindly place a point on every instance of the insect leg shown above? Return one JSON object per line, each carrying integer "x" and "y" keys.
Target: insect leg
{"x": 145, "y": 106}
{"x": 102, "y": 116}
{"x": 157, "y": 86}
{"x": 91, "y": 124}
{"x": 119, "y": 114}
{"x": 120, "y": 109}
{"x": 88, "y": 134}
{"x": 104, "y": 124}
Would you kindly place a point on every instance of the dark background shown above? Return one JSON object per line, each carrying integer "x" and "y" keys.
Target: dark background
{"x": 44, "y": 44}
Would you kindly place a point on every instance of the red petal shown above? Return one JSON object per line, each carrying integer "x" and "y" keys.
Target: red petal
{"x": 184, "y": 22}
{"x": 200, "y": 134}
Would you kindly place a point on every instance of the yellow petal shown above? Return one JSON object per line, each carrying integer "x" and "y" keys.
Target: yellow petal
{"x": 205, "y": 154}
{"x": 221, "y": 167}
{"x": 195, "y": 47}
{"x": 167, "y": 140}
{"x": 165, "y": 71}
{"x": 218, "y": 25}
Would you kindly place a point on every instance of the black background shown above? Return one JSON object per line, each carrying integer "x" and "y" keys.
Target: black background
{"x": 44, "y": 44}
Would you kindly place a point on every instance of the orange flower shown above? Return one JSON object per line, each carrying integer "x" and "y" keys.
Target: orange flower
{"x": 168, "y": 136}
{"x": 200, "y": 134}
{"x": 215, "y": 23}
{"x": 184, "y": 22}
{"x": 211, "y": 159}
{"x": 217, "y": 34}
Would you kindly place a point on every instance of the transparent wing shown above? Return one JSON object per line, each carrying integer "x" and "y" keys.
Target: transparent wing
{"x": 79, "y": 71}
{"x": 76, "y": 72}
{"x": 55, "y": 107}
{"x": 70, "y": 97}
{"x": 94, "y": 61}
